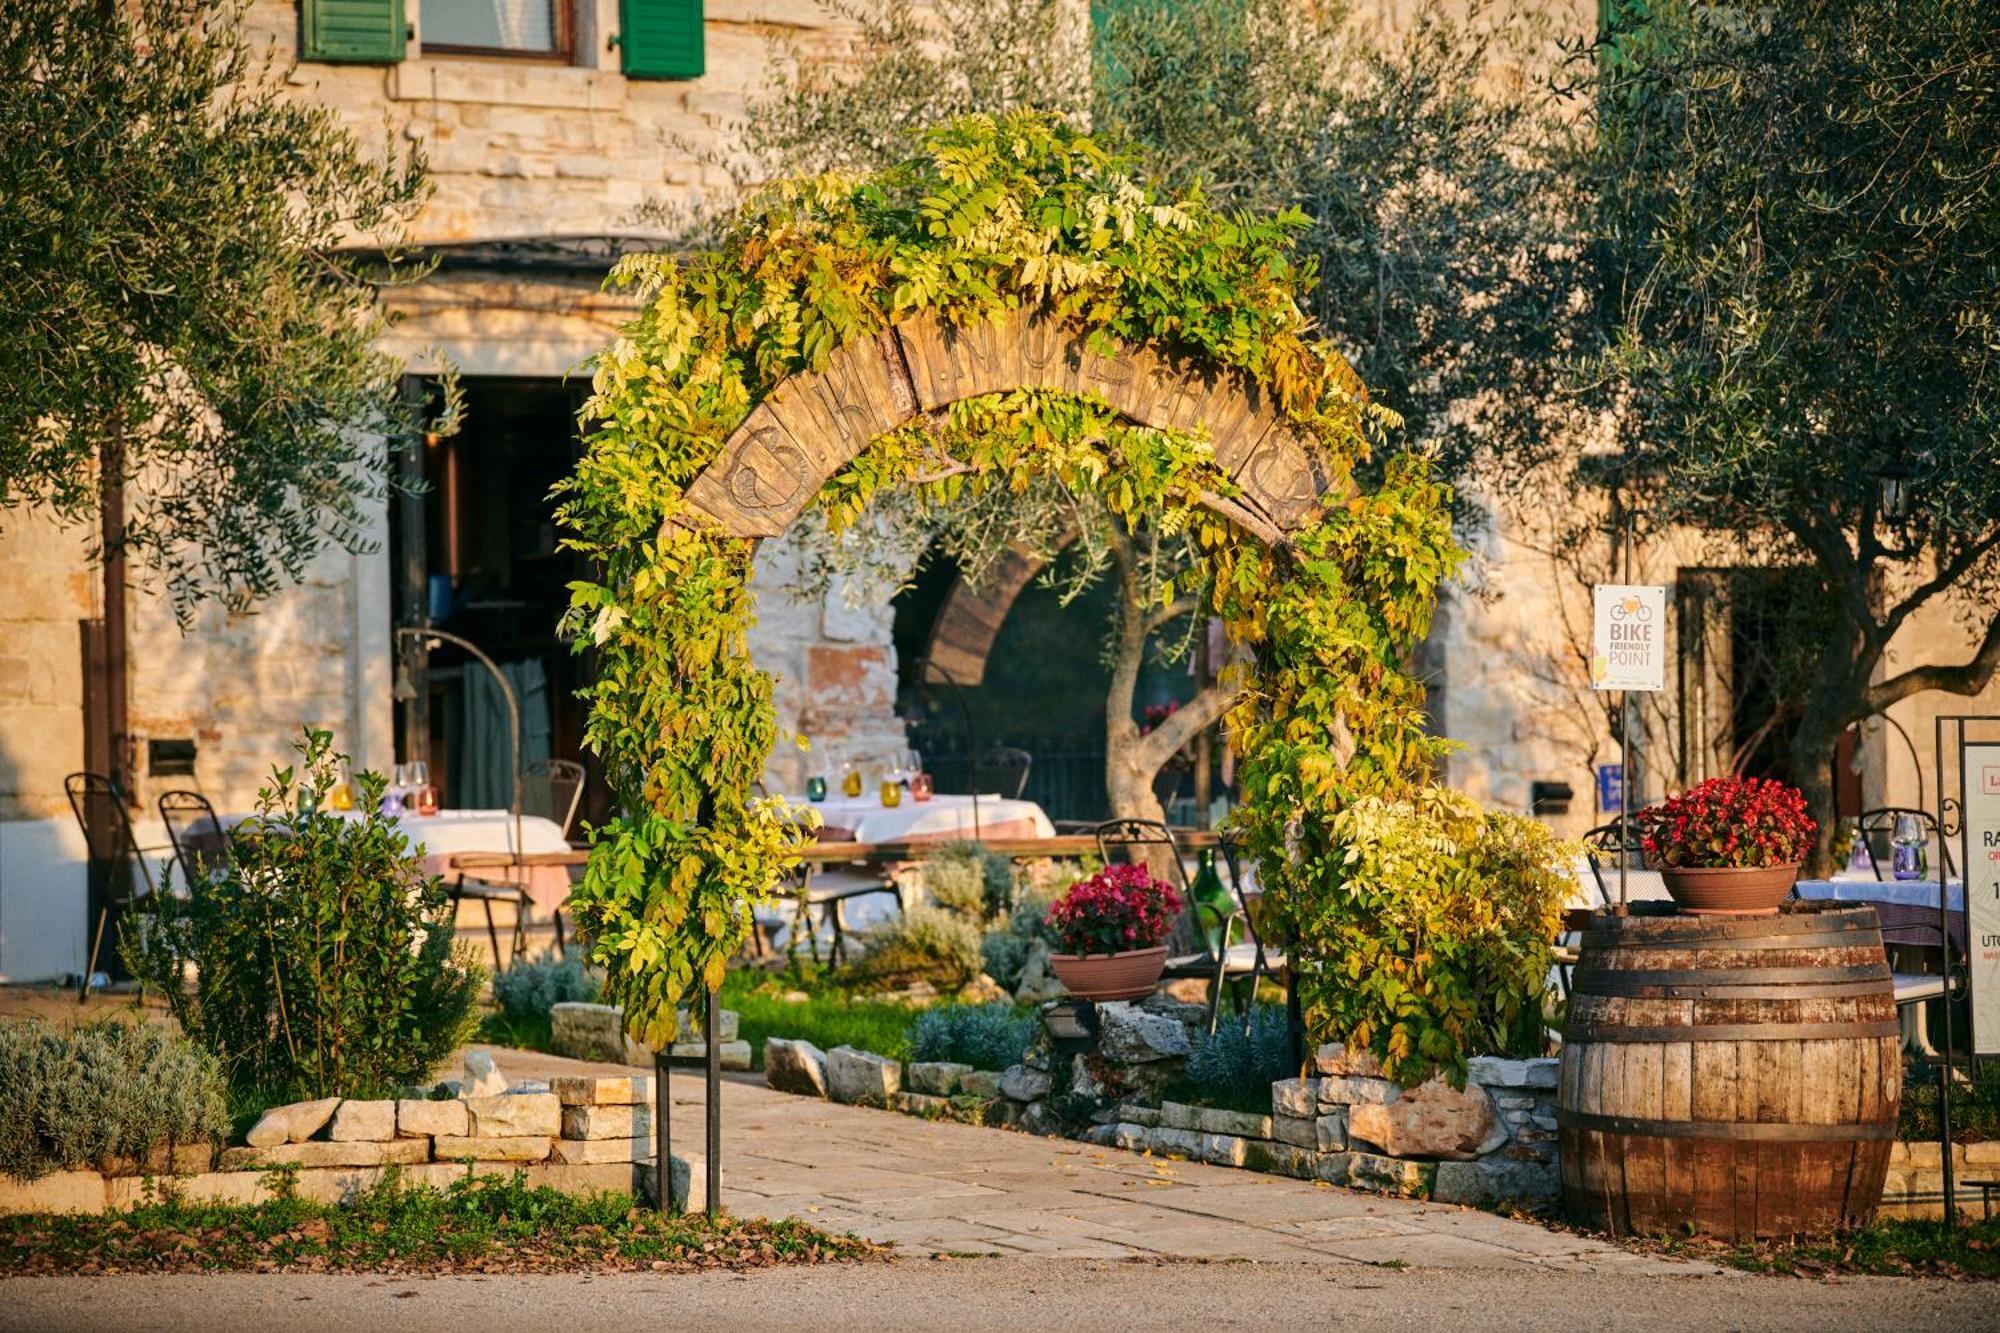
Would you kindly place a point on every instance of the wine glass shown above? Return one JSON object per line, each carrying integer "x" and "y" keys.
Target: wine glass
{"x": 426, "y": 797}
{"x": 1908, "y": 843}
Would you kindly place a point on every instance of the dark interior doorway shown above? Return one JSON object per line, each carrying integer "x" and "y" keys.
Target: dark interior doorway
{"x": 492, "y": 571}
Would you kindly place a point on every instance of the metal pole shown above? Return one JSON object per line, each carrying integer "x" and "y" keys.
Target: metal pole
{"x": 1944, "y": 937}
{"x": 663, "y": 1137}
{"x": 971, "y": 735}
{"x": 713, "y": 1107}
{"x": 513, "y": 712}
{"x": 1627, "y": 770}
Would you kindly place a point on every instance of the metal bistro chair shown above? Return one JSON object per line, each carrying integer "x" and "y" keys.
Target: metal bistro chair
{"x": 1005, "y": 769}
{"x": 1882, "y": 820}
{"x": 829, "y": 891}
{"x": 1601, "y": 845}
{"x": 99, "y": 805}
{"x": 1270, "y": 960}
{"x": 550, "y": 789}
{"x": 553, "y": 789}
{"x": 1148, "y": 842}
{"x": 200, "y": 843}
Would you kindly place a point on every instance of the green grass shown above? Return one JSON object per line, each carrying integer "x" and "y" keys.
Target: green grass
{"x": 484, "y": 1224}
{"x": 1893, "y": 1248}
{"x": 827, "y": 1017}
{"x": 521, "y": 1032}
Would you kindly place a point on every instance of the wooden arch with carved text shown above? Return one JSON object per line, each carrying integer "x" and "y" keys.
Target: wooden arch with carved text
{"x": 814, "y": 423}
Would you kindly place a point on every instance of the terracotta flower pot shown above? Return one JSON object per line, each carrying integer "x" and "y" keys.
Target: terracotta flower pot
{"x": 1730, "y": 890}
{"x": 1130, "y": 975}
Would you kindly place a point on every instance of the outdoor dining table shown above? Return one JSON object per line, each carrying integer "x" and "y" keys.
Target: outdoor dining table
{"x": 864, "y": 819}
{"x": 1904, "y": 906}
{"x": 477, "y": 835}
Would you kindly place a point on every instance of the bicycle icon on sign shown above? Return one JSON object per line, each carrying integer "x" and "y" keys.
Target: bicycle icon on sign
{"x": 1631, "y": 608}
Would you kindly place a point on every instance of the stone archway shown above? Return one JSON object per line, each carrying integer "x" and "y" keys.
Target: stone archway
{"x": 815, "y": 423}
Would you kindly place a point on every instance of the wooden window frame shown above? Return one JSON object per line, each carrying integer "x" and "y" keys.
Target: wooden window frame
{"x": 563, "y": 54}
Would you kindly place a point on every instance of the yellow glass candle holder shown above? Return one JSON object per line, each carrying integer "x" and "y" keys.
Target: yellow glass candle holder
{"x": 892, "y": 794}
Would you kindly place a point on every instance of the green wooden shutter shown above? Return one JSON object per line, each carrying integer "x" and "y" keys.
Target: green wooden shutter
{"x": 363, "y": 32}
{"x": 661, "y": 39}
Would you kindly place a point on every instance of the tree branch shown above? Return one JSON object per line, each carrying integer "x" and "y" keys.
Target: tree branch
{"x": 1174, "y": 610}
{"x": 1159, "y": 744}
{"x": 1948, "y": 575}
{"x": 1968, "y": 677}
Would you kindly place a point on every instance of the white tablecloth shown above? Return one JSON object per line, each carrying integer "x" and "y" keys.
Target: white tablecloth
{"x": 444, "y": 835}
{"x": 1902, "y": 892}
{"x": 938, "y": 819}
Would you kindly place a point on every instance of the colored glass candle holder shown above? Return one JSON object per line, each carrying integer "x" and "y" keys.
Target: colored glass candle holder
{"x": 892, "y": 794}
{"x": 815, "y": 788}
{"x": 921, "y": 787}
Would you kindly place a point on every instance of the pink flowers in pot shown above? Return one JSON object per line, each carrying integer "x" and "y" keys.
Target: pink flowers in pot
{"x": 1116, "y": 910}
{"x": 1729, "y": 822}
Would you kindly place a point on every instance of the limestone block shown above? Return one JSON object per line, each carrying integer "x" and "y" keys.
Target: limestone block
{"x": 482, "y": 1077}
{"x": 727, "y": 1021}
{"x": 318, "y": 1154}
{"x": 1174, "y": 1142}
{"x": 1130, "y": 1035}
{"x": 680, "y": 1183}
{"x": 56, "y": 1192}
{"x": 980, "y": 1083}
{"x": 588, "y": 1031}
{"x": 293, "y": 1123}
{"x": 937, "y": 1078}
{"x": 795, "y": 1066}
{"x": 421, "y": 1118}
{"x": 1295, "y": 1130}
{"x": 1391, "y": 1175}
{"x": 1496, "y": 1180}
{"x": 734, "y": 1054}
{"x": 1127, "y": 1135}
{"x": 594, "y": 1152}
{"x": 598, "y": 1090}
{"x": 1331, "y": 1130}
{"x": 1295, "y": 1097}
{"x": 1432, "y": 1120}
{"x": 363, "y": 1122}
{"x": 1336, "y": 1058}
{"x": 607, "y": 1122}
{"x": 1333, "y": 1167}
{"x": 922, "y": 1104}
{"x": 515, "y": 1115}
{"x": 1357, "y": 1090}
{"x": 1492, "y": 1071}
{"x": 493, "y": 1148}
{"x": 1222, "y": 1149}
{"x": 1279, "y": 1159}
{"x": 1131, "y": 1113}
{"x": 1022, "y": 1084}
{"x": 862, "y": 1078}
{"x": 226, "y": 1187}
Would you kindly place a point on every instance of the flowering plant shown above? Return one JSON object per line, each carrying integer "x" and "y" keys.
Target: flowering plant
{"x": 1728, "y": 822}
{"x": 1117, "y": 909}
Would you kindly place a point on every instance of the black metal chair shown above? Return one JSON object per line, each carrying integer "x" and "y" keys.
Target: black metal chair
{"x": 827, "y": 890}
{"x": 200, "y": 843}
{"x": 1882, "y": 821}
{"x": 1270, "y": 960}
{"x": 1190, "y": 953}
{"x": 553, "y": 790}
{"x": 1601, "y": 844}
{"x": 112, "y": 846}
{"x": 1003, "y": 769}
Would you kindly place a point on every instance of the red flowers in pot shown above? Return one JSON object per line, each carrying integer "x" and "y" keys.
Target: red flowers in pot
{"x": 1110, "y": 931}
{"x": 1729, "y": 846}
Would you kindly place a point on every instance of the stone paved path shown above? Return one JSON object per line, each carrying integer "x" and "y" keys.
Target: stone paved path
{"x": 959, "y": 1189}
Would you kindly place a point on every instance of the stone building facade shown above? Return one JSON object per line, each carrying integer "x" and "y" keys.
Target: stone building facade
{"x": 541, "y": 164}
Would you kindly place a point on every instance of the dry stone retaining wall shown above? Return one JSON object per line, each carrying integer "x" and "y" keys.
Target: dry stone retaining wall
{"x": 574, "y": 1133}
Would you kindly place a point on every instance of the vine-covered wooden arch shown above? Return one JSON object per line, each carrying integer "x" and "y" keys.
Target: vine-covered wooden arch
{"x": 1007, "y": 305}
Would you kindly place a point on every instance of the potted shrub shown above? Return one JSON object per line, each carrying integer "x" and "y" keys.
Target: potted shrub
{"x": 1110, "y": 929}
{"x": 1730, "y": 846}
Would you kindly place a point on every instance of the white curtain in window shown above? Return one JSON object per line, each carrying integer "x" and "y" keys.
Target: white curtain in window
{"x": 497, "y": 25}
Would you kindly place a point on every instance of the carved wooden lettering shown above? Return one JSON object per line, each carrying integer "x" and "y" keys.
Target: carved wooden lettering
{"x": 760, "y": 482}
{"x": 950, "y": 362}
{"x": 833, "y": 415}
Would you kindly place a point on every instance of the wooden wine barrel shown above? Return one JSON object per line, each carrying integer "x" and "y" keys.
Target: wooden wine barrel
{"x": 1739, "y": 1077}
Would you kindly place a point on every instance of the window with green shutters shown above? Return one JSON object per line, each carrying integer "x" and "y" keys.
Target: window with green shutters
{"x": 660, "y": 39}
{"x": 362, "y": 32}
